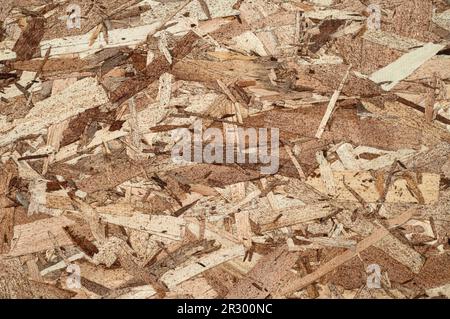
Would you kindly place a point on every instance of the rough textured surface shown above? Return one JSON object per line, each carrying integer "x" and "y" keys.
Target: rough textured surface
{"x": 224, "y": 149}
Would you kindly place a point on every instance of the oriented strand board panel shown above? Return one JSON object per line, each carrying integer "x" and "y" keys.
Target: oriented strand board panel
{"x": 196, "y": 149}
